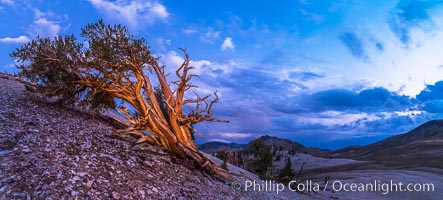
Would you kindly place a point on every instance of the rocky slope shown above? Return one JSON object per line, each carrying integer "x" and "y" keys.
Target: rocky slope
{"x": 420, "y": 147}
{"x": 48, "y": 152}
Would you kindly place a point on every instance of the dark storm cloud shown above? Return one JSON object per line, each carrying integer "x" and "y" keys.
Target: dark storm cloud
{"x": 433, "y": 106}
{"x": 264, "y": 103}
{"x": 288, "y": 123}
{"x": 431, "y": 92}
{"x": 392, "y": 124}
{"x": 369, "y": 100}
{"x": 432, "y": 98}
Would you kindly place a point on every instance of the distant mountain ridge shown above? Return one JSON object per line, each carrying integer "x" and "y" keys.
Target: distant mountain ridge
{"x": 420, "y": 147}
{"x": 270, "y": 141}
{"x": 214, "y": 146}
{"x": 424, "y": 142}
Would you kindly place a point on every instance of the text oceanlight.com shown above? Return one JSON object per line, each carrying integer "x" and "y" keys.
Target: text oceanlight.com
{"x": 384, "y": 187}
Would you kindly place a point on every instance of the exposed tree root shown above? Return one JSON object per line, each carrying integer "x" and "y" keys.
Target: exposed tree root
{"x": 118, "y": 66}
{"x": 200, "y": 160}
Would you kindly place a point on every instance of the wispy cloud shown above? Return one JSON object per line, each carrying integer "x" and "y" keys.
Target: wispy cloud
{"x": 162, "y": 44}
{"x": 134, "y": 14}
{"x": 412, "y": 18}
{"x": 227, "y": 44}
{"x": 202, "y": 68}
{"x": 311, "y": 16}
{"x": 355, "y": 45}
{"x": 44, "y": 28}
{"x": 45, "y": 24}
{"x": 8, "y": 2}
{"x": 210, "y": 36}
{"x": 219, "y": 140}
{"x": 236, "y": 135}
{"x": 304, "y": 75}
{"x": 189, "y": 31}
{"x": 18, "y": 40}
{"x": 305, "y": 2}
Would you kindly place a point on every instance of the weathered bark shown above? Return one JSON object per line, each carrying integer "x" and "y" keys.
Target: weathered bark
{"x": 120, "y": 66}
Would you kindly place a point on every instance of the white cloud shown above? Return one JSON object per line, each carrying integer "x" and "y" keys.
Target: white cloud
{"x": 9, "y": 2}
{"x": 162, "y": 44}
{"x": 310, "y": 16}
{"x": 201, "y": 67}
{"x": 397, "y": 67}
{"x": 159, "y": 10}
{"x": 189, "y": 31}
{"x": 134, "y": 14}
{"x": 335, "y": 118}
{"x": 44, "y": 27}
{"x": 19, "y": 40}
{"x": 45, "y": 24}
{"x": 227, "y": 44}
{"x": 236, "y": 135}
{"x": 210, "y": 36}
{"x": 219, "y": 140}
{"x": 172, "y": 59}
{"x": 405, "y": 70}
{"x": 411, "y": 113}
{"x": 12, "y": 67}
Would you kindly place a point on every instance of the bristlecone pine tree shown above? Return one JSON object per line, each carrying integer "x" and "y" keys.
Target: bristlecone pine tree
{"x": 116, "y": 65}
{"x": 286, "y": 175}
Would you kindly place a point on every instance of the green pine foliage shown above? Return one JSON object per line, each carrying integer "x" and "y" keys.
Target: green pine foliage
{"x": 286, "y": 174}
{"x": 262, "y": 157}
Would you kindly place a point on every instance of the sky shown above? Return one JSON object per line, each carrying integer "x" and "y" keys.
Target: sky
{"x": 328, "y": 74}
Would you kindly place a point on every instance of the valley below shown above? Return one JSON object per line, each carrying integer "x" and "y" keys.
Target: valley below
{"x": 47, "y": 151}
{"x": 411, "y": 160}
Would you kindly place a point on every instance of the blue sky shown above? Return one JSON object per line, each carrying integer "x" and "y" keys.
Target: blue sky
{"x": 325, "y": 73}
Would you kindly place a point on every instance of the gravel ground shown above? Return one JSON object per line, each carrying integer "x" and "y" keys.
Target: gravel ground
{"x": 47, "y": 152}
{"x": 427, "y": 185}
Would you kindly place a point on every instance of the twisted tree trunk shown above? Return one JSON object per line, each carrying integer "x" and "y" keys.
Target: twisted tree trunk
{"x": 116, "y": 65}
{"x": 173, "y": 134}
